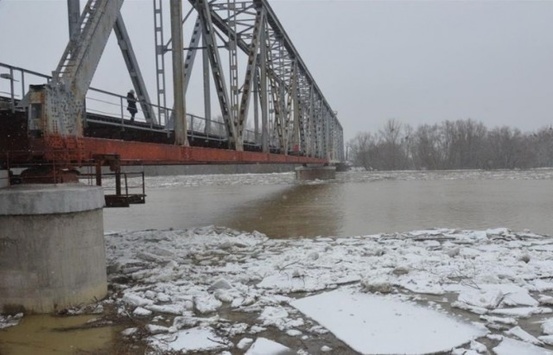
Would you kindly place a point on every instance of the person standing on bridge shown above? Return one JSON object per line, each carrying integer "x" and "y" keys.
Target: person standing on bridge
{"x": 131, "y": 104}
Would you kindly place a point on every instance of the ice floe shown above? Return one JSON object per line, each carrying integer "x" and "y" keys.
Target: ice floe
{"x": 359, "y": 289}
{"x": 373, "y": 324}
{"x": 215, "y": 290}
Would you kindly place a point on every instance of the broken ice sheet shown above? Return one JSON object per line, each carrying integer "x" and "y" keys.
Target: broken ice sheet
{"x": 194, "y": 339}
{"x": 385, "y": 325}
{"x": 264, "y": 346}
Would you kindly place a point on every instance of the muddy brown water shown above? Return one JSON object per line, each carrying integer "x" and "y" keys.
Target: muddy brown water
{"x": 346, "y": 207}
{"x": 47, "y": 334}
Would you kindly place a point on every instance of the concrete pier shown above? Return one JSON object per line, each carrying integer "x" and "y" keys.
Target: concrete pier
{"x": 4, "y": 178}
{"x": 315, "y": 173}
{"x": 52, "y": 253}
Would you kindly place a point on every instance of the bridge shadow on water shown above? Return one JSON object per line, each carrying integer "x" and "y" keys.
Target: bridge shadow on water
{"x": 303, "y": 210}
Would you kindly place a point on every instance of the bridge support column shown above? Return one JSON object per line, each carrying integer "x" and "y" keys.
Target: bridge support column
{"x": 4, "y": 178}
{"x": 315, "y": 173}
{"x": 52, "y": 252}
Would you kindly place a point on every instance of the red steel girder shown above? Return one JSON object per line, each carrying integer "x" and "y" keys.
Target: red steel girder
{"x": 142, "y": 153}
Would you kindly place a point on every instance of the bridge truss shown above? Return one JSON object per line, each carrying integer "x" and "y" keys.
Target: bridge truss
{"x": 265, "y": 84}
{"x": 292, "y": 107}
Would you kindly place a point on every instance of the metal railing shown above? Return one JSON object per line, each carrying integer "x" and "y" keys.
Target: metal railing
{"x": 132, "y": 191}
{"x": 108, "y": 108}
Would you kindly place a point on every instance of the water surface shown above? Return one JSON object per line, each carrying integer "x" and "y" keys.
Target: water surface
{"x": 356, "y": 203}
{"x": 47, "y": 334}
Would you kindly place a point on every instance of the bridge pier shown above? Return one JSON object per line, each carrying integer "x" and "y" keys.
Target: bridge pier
{"x": 315, "y": 173}
{"x": 52, "y": 253}
{"x": 4, "y": 178}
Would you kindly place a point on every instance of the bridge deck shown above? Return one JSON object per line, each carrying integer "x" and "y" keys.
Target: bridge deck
{"x": 136, "y": 143}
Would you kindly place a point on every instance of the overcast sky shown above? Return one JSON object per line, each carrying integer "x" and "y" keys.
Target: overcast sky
{"x": 415, "y": 61}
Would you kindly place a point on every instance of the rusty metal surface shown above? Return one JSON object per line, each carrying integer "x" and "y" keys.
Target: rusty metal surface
{"x": 141, "y": 153}
{"x": 80, "y": 151}
{"x": 19, "y": 148}
{"x": 48, "y": 175}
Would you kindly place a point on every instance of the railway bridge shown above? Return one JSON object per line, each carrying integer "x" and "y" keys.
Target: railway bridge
{"x": 261, "y": 105}
{"x": 268, "y": 107}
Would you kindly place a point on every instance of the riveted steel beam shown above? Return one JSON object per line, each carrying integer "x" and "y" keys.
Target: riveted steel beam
{"x": 74, "y": 14}
{"x": 250, "y": 74}
{"x": 63, "y": 97}
{"x": 202, "y": 6}
{"x": 181, "y": 137}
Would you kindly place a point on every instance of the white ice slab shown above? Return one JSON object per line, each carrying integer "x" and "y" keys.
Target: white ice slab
{"x": 194, "y": 339}
{"x": 373, "y": 324}
{"x": 510, "y": 346}
{"x": 264, "y": 346}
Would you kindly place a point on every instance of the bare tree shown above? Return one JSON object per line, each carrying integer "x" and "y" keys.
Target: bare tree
{"x": 428, "y": 148}
{"x": 391, "y": 153}
{"x": 463, "y": 141}
{"x": 505, "y": 149}
{"x": 542, "y": 141}
{"x": 360, "y": 150}
{"x": 461, "y": 144}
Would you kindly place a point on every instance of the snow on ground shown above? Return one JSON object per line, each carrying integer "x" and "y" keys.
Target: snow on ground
{"x": 367, "y": 291}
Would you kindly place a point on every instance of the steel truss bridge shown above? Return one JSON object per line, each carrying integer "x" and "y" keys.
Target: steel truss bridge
{"x": 271, "y": 108}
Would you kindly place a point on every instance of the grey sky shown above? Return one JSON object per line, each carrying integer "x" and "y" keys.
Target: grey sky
{"x": 416, "y": 61}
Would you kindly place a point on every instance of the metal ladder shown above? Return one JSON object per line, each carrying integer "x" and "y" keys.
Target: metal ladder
{"x": 72, "y": 52}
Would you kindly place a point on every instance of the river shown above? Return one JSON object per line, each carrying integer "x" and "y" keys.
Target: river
{"x": 356, "y": 203}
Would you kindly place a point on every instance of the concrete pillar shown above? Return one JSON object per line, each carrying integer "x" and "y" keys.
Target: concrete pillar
{"x": 52, "y": 253}
{"x": 315, "y": 173}
{"x": 4, "y": 178}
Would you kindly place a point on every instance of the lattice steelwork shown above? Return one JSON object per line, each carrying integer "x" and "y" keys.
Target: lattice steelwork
{"x": 63, "y": 98}
{"x": 294, "y": 113}
{"x": 264, "y": 77}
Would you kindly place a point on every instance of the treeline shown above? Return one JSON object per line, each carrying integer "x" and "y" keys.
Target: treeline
{"x": 462, "y": 144}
